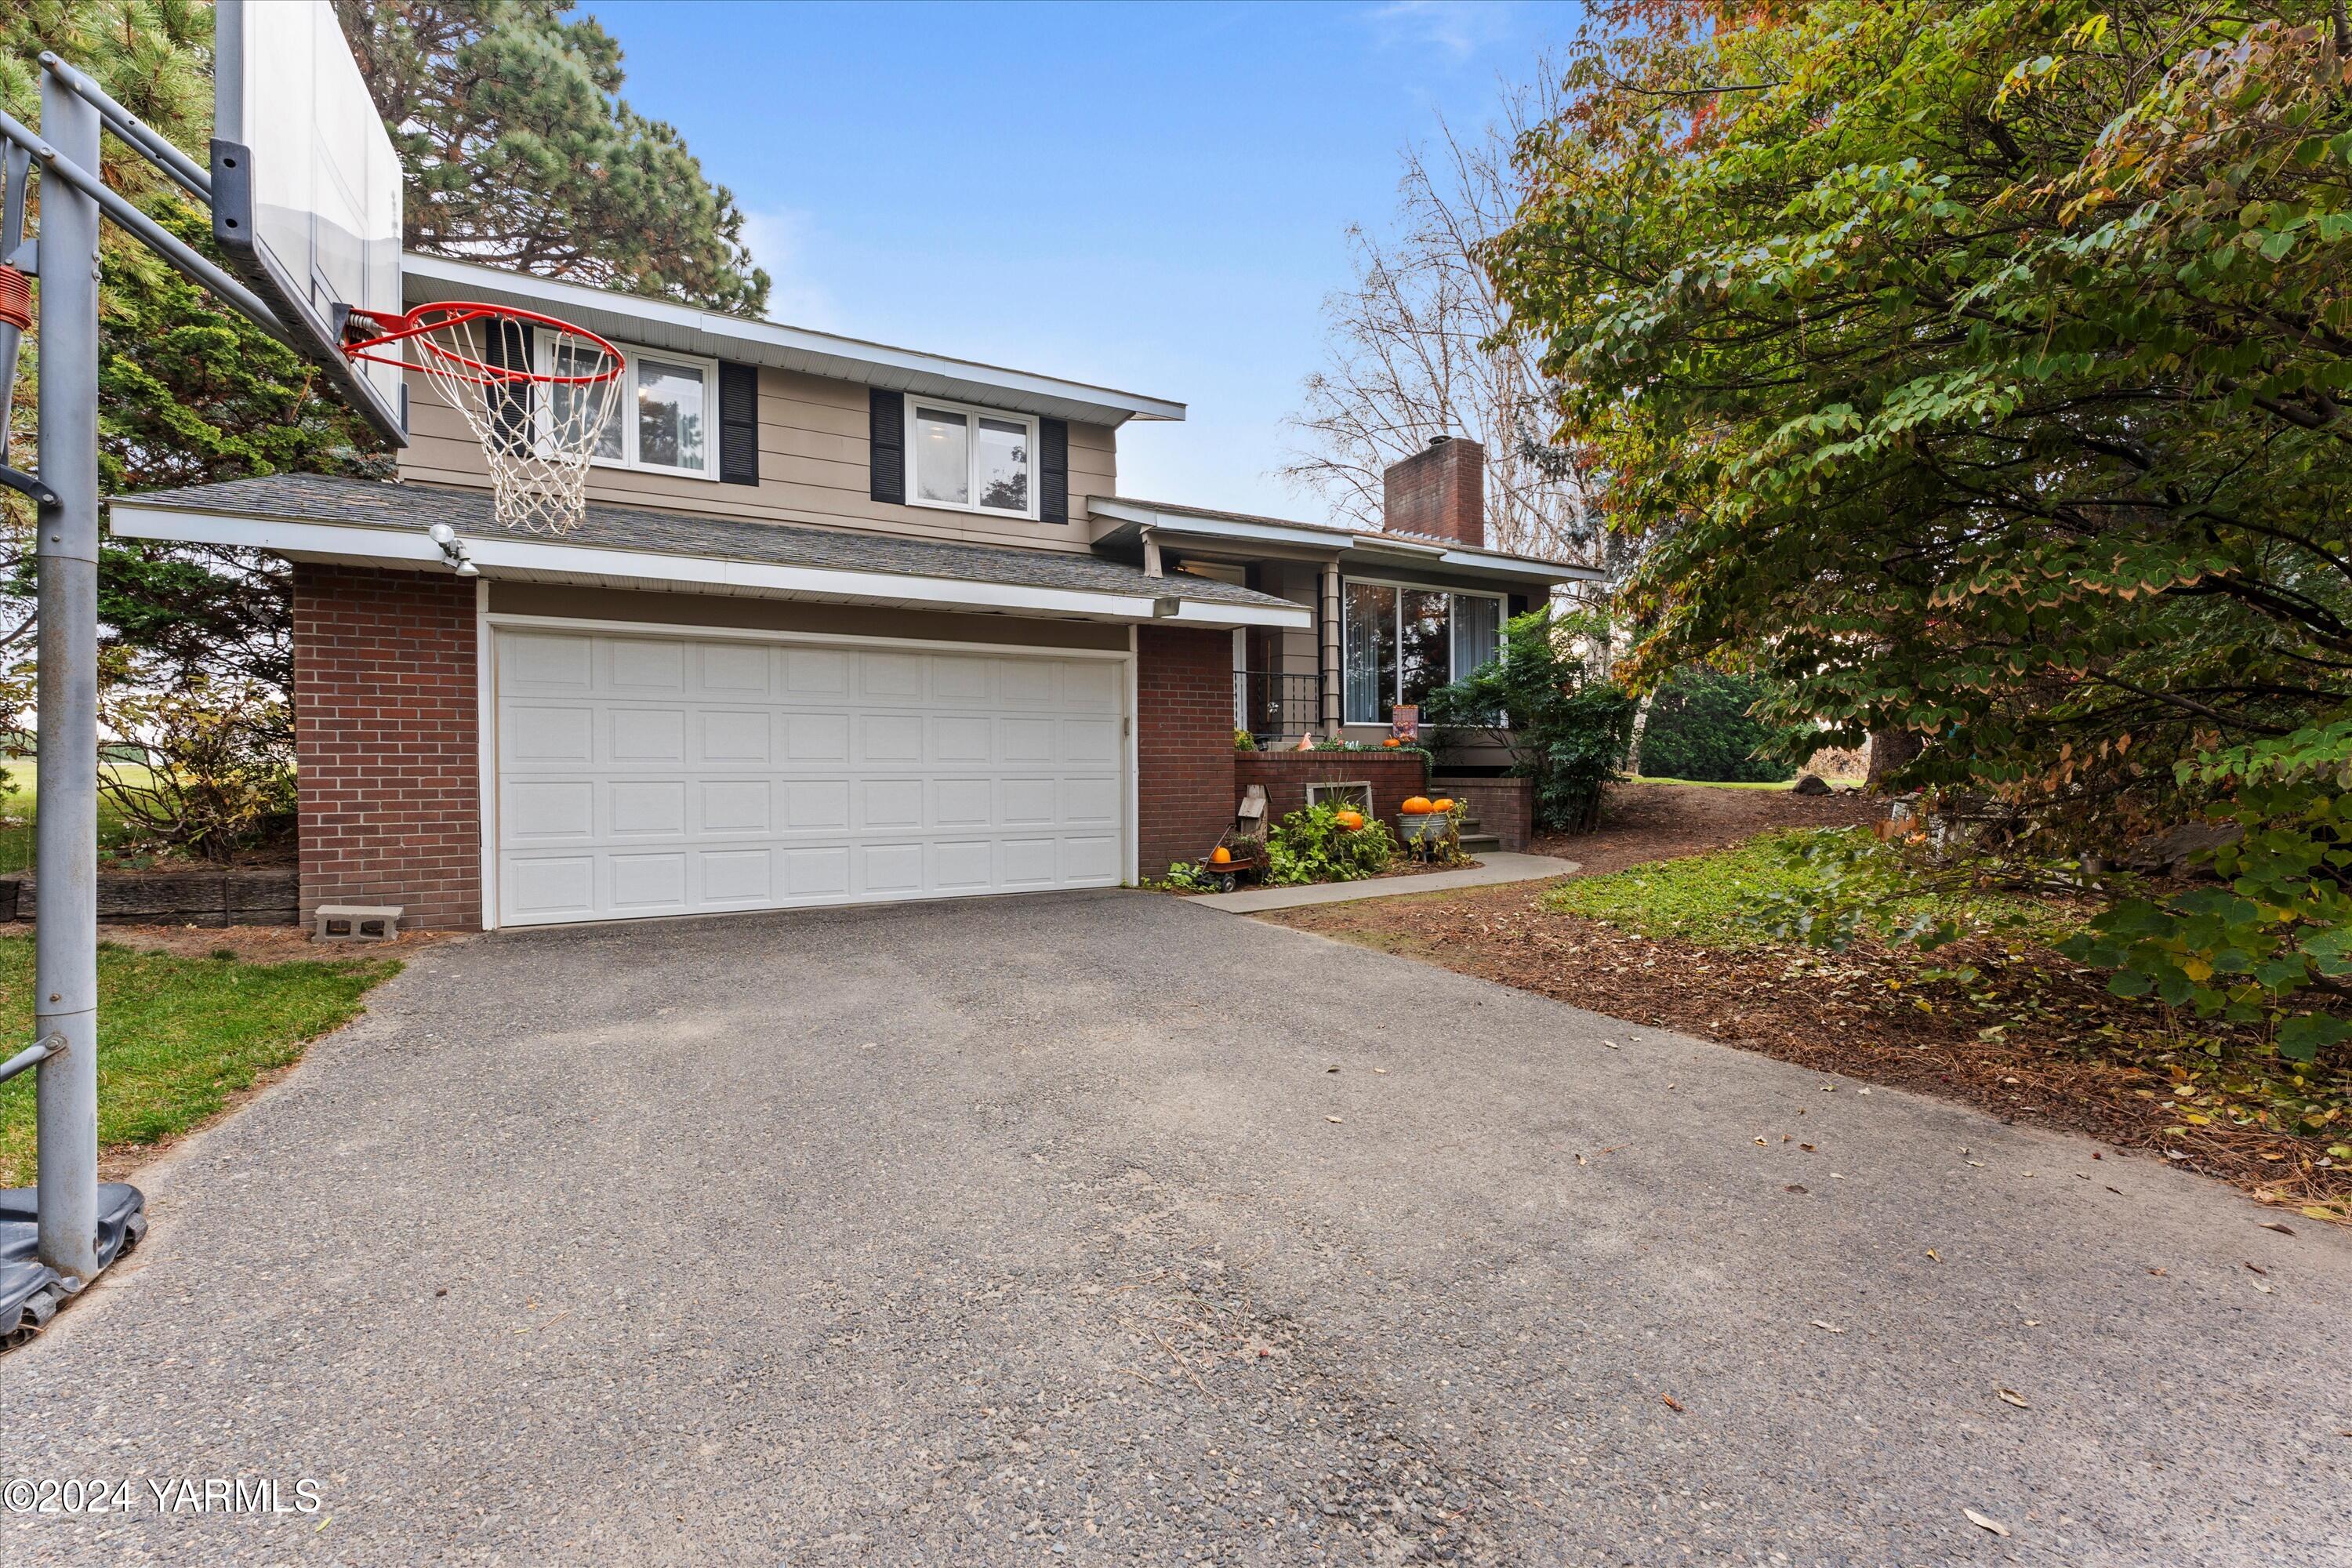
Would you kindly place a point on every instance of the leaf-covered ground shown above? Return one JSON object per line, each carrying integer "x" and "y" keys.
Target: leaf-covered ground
{"x": 1999, "y": 1021}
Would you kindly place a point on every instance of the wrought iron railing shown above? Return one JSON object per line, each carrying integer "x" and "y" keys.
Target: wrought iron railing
{"x": 1276, "y": 705}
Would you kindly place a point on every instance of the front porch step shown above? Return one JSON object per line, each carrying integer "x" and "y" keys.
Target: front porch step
{"x": 1481, "y": 844}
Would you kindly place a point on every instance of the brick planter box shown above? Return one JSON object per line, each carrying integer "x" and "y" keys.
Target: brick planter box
{"x": 1286, "y": 774}
{"x": 1504, "y": 807}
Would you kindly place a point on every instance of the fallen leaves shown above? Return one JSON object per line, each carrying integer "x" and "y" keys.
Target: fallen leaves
{"x": 1670, "y": 1401}
{"x": 1831, "y": 1327}
{"x": 2010, "y": 1396}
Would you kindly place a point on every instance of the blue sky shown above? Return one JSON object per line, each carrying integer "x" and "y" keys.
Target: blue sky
{"x": 1151, "y": 198}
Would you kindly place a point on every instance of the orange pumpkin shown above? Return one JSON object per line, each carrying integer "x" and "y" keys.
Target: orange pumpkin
{"x": 1442, "y": 803}
{"x": 1352, "y": 820}
{"x": 1419, "y": 803}
{"x": 1392, "y": 740}
{"x": 1221, "y": 855}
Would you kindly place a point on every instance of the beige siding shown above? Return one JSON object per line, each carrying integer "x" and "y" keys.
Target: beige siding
{"x": 813, "y": 469}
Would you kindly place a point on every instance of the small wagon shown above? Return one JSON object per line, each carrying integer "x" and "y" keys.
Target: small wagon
{"x": 1244, "y": 844}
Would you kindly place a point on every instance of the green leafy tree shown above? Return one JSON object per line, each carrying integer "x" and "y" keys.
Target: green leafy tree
{"x": 1703, "y": 725}
{"x": 1564, "y": 730}
{"x": 1977, "y": 367}
{"x": 520, "y": 152}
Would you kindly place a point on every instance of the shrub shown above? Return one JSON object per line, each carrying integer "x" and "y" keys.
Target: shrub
{"x": 1310, "y": 845}
{"x": 216, "y": 777}
{"x": 1701, "y": 727}
{"x": 1244, "y": 741}
{"x": 1563, "y": 729}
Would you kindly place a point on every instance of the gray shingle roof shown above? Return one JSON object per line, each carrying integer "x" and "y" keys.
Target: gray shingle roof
{"x": 312, "y": 497}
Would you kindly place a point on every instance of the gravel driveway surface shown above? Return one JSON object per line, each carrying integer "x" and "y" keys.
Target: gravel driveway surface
{"x": 1045, "y": 1231}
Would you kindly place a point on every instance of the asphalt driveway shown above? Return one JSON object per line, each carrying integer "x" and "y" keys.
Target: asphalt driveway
{"x": 1043, "y": 1231}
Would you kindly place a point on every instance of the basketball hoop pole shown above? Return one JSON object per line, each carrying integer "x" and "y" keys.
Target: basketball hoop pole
{"x": 64, "y": 999}
{"x": 65, "y": 256}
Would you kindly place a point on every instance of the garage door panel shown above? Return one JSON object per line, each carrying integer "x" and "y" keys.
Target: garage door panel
{"x": 962, "y": 865}
{"x": 891, "y": 804}
{"x": 645, "y": 808}
{"x": 550, "y": 810}
{"x": 731, "y": 671}
{"x": 816, "y": 873}
{"x": 891, "y": 677}
{"x": 891, "y": 868}
{"x": 649, "y": 883}
{"x": 816, "y": 737}
{"x": 1029, "y": 683}
{"x": 963, "y": 802}
{"x": 644, "y": 776}
{"x": 734, "y": 807}
{"x": 1090, "y": 861}
{"x": 544, "y": 735}
{"x": 963, "y": 741}
{"x": 817, "y": 806}
{"x": 641, "y": 667}
{"x": 1087, "y": 741}
{"x": 962, "y": 682}
{"x": 737, "y": 877}
{"x": 730, "y": 737}
{"x": 890, "y": 739}
{"x": 645, "y": 735}
{"x": 1093, "y": 801}
{"x": 536, "y": 664}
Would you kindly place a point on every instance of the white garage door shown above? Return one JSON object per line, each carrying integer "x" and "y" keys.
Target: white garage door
{"x": 679, "y": 775}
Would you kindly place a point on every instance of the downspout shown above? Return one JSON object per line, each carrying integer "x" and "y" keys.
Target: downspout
{"x": 1327, "y": 626}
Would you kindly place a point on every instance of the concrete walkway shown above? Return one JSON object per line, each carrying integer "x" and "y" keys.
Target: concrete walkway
{"x": 1497, "y": 867}
{"x": 1068, "y": 1231}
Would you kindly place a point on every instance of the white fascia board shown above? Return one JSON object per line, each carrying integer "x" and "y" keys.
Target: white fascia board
{"x": 1519, "y": 566}
{"x": 1217, "y": 527}
{"x": 507, "y": 555}
{"x": 1216, "y": 613}
{"x": 658, "y": 323}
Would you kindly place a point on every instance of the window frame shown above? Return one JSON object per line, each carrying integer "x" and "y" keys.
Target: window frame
{"x": 1396, "y": 631}
{"x": 544, "y": 353}
{"x": 1031, "y": 444}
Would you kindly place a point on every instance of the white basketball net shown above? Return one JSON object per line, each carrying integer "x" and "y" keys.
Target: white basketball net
{"x": 543, "y": 399}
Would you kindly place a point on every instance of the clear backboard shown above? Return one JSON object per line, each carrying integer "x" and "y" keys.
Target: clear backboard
{"x": 306, "y": 186}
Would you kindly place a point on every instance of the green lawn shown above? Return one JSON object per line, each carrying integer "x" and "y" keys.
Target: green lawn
{"x": 1708, "y": 899}
{"x": 176, "y": 1037}
{"x": 16, "y": 817}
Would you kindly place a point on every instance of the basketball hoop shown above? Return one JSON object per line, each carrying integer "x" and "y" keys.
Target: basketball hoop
{"x": 541, "y": 394}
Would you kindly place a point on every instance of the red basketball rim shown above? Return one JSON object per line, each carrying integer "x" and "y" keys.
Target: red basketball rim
{"x": 445, "y": 314}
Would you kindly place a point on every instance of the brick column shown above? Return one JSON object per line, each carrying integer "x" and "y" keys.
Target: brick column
{"x": 386, "y": 738}
{"x": 1184, "y": 744}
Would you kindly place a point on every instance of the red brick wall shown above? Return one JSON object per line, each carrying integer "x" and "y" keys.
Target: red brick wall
{"x": 386, "y": 723}
{"x": 1504, "y": 807}
{"x": 1440, "y": 491}
{"x": 1184, "y": 744}
{"x": 1286, "y": 774}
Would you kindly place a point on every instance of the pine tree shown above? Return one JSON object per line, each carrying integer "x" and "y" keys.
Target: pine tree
{"x": 520, "y": 152}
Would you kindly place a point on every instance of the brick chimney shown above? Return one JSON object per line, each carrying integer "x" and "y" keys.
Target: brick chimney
{"x": 1440, "y": 491}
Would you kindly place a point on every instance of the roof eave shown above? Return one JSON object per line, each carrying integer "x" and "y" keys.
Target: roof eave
{"x": 660, "y": 323}
{"x": 522, "y": 558}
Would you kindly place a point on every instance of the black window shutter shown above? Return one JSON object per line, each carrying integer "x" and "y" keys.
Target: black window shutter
{"x": 1054, "y": 470}
{"x": 887, "y": 453}
{"x": 739, "y": 423}
{"x": 507, "y": 345}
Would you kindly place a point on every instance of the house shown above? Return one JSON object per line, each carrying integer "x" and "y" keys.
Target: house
{"x": 843, "y": 623}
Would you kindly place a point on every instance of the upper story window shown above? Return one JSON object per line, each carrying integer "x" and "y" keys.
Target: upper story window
{"x": 1399, "y": 643}
{"x": 970, "y": 459}
{"x": 662, "y": 421}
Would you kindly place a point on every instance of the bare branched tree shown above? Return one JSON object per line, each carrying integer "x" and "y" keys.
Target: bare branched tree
{"x": 1420, "y": 346}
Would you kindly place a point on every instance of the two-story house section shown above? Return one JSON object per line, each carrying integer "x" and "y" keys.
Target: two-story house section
{"x": 842, "y": 623}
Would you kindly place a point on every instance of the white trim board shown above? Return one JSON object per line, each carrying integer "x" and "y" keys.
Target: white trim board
{"x": 524, "y": 559}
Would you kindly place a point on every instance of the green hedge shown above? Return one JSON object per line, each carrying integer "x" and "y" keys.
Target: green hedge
{"x": 1700, "y": 729}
